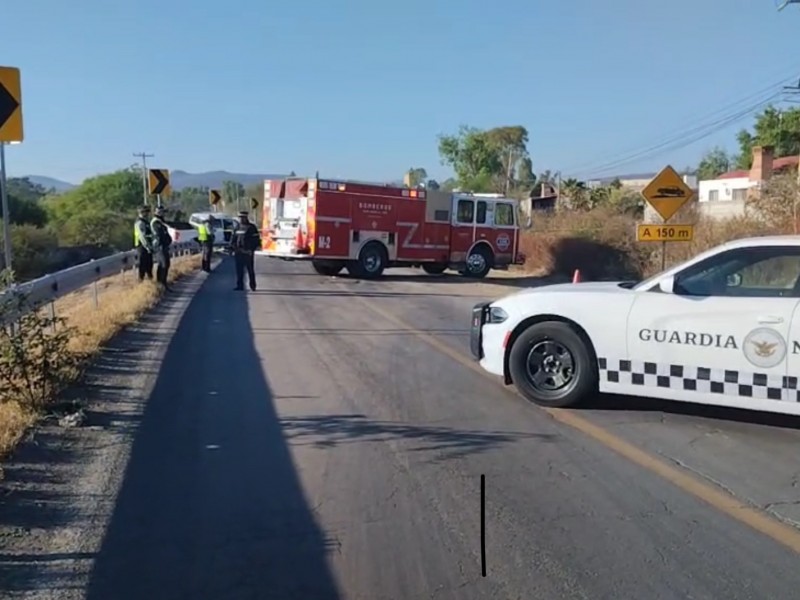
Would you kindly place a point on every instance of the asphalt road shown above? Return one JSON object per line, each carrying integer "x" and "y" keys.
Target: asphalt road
{"x": 324, "y": 438}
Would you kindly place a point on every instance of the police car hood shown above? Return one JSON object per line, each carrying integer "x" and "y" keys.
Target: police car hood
{"x": 605, "y": 287}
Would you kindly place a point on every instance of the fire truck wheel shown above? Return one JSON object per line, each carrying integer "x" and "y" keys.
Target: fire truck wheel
{"x": 434, "y": 268}
{"x": 327, "y": 269}
{"x": 479, "y": 263}
{"x": 371, "y": 261}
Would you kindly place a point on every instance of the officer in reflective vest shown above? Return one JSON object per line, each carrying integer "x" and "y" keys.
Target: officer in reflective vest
{"x": 143, "y": 243}
{"x": 206, "y": 238}
{"x": 161, "y": 246}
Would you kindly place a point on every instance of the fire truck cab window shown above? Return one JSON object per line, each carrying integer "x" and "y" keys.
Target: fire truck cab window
{"x": 481, "y": 216}
{"x": 466, "y": 211}
{"x": 504, "y": 214}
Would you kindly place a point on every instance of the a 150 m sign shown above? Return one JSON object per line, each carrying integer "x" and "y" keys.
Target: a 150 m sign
{"x": 664, "y": 233}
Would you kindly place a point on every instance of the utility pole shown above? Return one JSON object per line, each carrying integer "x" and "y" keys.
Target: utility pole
{"x": 144, "y": 156}
{"x": 509, "y": 170}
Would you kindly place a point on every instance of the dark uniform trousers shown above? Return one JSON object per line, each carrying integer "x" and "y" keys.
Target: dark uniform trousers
{"x": 145, "y": 263}
{"x": 162, "y": 270}
{"x": 245, "y": 260}
{"x": 208, "y": 252}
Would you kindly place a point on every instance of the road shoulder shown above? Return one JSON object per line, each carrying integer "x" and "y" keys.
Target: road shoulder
{"x": 60, "y": 485}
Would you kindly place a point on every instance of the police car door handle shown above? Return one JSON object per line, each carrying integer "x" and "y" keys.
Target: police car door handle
{"x": 769, "y": 319}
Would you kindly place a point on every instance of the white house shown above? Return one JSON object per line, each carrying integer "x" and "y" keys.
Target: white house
{"x": 726, "y": 196}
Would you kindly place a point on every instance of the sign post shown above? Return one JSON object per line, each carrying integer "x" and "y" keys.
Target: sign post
{"x": 667, "y": 193}
{"x": 10, "y": 133}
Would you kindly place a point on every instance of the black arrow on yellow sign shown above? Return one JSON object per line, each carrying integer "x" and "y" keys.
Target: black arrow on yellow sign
{"x": 253, "y": 203}
{"x": 10, "y": 105}
{"x": 214, "y": 197}
{"x": 159, "y": 182}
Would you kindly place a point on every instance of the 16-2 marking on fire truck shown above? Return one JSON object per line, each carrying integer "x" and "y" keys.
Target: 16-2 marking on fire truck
{"x": 325, "y": 241}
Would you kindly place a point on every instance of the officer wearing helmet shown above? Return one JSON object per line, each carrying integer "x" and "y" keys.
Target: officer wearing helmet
{"x": 143, "y": 243}
{"x": 244, "y": 242}
{"x": 161, "y": 246}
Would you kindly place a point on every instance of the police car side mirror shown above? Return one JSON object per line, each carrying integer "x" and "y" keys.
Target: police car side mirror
{"x": 667, "y": 284}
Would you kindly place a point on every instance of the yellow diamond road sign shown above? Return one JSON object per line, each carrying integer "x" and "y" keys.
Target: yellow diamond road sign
{"x": 667, "y": 193}
{"x": 10, "y": 105}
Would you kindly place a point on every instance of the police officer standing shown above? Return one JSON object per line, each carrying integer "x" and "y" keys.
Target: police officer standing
{"x": 161, "y": 246}
{"x": 143, "y": 243}
{"x": 205, "y": 236}
{"x": 244, "y": 242}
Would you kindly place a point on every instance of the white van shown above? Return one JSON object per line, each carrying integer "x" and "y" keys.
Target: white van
{"x": 221, "y": 224}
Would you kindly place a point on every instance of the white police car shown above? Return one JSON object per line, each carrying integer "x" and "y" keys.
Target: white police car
{"x": 722, "y": 328}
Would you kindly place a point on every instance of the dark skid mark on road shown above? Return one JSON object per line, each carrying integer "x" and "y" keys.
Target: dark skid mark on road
{"x": 329, "y": 431}
{"x": 618, "y": 403}
{"x": 33, "y": 492}
{"x": 450, "y": 278}
{"x": 229, "y": 523}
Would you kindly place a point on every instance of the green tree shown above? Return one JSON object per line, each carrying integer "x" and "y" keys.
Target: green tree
{"x": 24, "y": 202}
{"x": 24, "y": 189}
{"x": 485, "y": 161}
{"x": 511, "y": 143}
{"x": 232, "y": 191}
{"x": 192, "y": 199}
{"x": 713, "y": 164}
{"x": 432, "y": 184}
{"x": 416, "y": 176}
{"x": 99, "y": 211}
{"x": 775, "y": 127}
{"x": 526, "y": 178}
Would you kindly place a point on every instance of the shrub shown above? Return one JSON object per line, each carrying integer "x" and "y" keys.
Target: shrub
{"x": 601, "y": 242}
{"x": 35, "y": 361}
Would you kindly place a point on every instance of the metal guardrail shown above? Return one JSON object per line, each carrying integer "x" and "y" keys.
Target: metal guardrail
{"x": 53, "y": 286}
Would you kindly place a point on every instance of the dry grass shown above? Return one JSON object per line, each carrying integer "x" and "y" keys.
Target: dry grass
{"x": 14, "y": 420}
{"x": 602, "y": 244}
{"x": 122, "y": 299}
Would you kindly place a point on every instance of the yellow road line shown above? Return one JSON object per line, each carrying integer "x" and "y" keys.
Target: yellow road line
{"x": 726, "y": 503}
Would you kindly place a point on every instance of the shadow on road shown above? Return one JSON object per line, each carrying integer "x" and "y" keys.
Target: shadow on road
{"x": 508, "y": 279}
{"x": 211, "y": 505}
{"x": 38, "y": 499}
{"x": 329, "y": 431}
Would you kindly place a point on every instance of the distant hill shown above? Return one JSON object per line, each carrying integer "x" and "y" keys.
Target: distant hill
{"x": 214, "y": 179}
{"x": 180, "y": 180}
{"x": 49, "y": 182}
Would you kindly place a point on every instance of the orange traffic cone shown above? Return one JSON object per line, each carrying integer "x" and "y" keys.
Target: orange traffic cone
{"x": 299, "y": 242}
{"x": 576, "y": 277}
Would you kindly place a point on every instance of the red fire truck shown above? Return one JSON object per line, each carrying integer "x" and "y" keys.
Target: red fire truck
{"x": 366, "y": 227}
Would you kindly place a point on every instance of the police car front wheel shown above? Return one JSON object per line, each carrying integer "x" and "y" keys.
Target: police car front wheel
{"x": 551, "y": 365}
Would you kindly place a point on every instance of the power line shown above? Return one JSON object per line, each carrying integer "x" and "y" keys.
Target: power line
{"x": 144, "y": 156}
{"x": 684, "y": 139}
{"x": 692, "y": 127}
{"x": 682, "y": 135}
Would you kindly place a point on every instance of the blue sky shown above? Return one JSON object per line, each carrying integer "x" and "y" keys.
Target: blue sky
{"x": 361, "y": 89}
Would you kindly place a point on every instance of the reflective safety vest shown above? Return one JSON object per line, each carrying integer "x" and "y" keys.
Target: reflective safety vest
{"x": 136, "y": 241}
{"x": 202, "y": 232}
